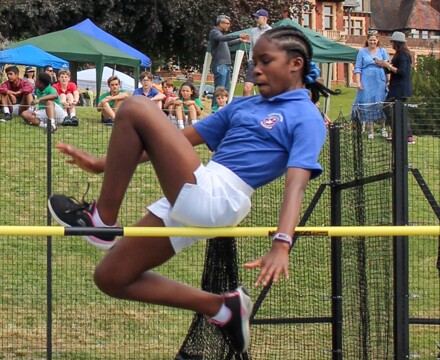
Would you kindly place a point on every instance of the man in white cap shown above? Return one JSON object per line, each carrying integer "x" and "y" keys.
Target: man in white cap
{"x": 260, "y": 17}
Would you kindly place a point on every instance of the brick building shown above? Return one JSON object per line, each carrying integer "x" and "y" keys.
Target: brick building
{"x": 348, "y": 21}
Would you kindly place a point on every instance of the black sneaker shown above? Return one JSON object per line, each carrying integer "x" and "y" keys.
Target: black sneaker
{"x": 66, "y": 121}
{"x": 69, "y": 212}
{"x": 237, "y": 328}
{"x": 108, "y": 121}
{"x": 7, "y": 117}
{"x": 74, "y": 121}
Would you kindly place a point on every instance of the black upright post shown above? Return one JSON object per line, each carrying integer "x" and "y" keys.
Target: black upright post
{"x": 400, "y": 243}
{"x": 336, "y": 241}
{"x": 49, "y": 249}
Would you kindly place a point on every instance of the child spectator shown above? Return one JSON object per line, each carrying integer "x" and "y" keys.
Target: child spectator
{"x": 69, "y": 97}
{"x": 188, "y": 106}
{"x": 29, "y": 75}
{"x": 147, "y": 89}
{"x": 15, "y": 94}
{"x": 221, "y": 96}
{"x": 170, "y": 96}
{"x": 49, "y": 106}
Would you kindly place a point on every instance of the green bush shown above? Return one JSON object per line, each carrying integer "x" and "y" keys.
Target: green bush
{"x": 426, "y": 93}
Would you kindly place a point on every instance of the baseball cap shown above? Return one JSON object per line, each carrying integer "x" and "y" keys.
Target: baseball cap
{"x": 261, "y": 12}
{"x": 29, "y": 69}
{"x": 398, "y": 36}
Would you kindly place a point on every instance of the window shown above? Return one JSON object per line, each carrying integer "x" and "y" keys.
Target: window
{"x": 356, "y": 26}
{"x": 425, "y": 34}
{"x": 328, "y": 17}
{"x": 307, "y": 20}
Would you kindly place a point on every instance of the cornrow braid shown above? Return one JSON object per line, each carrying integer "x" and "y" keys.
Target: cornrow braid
{"x": 295, "y": 43}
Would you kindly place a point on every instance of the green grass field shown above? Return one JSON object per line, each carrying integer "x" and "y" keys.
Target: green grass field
{"x": 89, "y": 325}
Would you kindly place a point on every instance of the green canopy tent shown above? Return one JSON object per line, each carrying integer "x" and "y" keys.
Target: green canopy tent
{"x": 77, "y": 47}
{"x": 325, "y": 52}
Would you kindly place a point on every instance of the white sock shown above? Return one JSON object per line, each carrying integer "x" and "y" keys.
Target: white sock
{"x": 6, "y": 110}
{"x": 72, "y": 114}
{"x": 223, "y": 315}
{"x": 42, "y": 124}
{"x": 180, "y": 124}
{"x": 97, "y": 219}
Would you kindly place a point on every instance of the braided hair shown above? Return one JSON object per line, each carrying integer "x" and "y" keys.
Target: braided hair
{"x": 295, "y": 43}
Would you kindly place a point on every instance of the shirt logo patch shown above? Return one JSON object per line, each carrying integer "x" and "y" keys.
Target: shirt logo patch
{"x": 270, "y": 121}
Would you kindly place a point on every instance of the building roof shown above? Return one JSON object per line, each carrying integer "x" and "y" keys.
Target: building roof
{"x": 393, "y": 15}
{"x": 424, "y": 17}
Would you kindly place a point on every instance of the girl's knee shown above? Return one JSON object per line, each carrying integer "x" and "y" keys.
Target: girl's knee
{"x": 107, "y": 282}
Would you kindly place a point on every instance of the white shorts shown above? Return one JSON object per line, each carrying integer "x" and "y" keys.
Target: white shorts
{"x": 60, "y": 114}
{"x": 219, "y": 198}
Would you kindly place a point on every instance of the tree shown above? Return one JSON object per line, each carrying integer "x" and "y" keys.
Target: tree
{"x": 161, "y": 29}
{"x": 426, "y": 87}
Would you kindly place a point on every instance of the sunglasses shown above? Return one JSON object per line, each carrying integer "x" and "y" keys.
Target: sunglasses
{"x": 372, "y": 32}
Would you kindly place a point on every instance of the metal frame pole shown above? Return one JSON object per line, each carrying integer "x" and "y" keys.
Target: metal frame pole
{"x": 400, "y": 243}
{"x": 336, "y": 241}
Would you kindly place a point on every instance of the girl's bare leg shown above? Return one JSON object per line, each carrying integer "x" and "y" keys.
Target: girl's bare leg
{"x": 192, "y": 114}
{"x": 141, "y": 126}
{"x": 178, "y": 109}
{"x": 124, "y": 273}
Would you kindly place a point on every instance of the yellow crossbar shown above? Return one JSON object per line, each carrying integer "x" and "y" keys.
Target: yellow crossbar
{"x": 223, "y": 232}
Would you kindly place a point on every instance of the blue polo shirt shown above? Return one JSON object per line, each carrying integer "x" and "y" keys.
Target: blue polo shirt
{"x": 259, "y": 138}
{"x": 152, "y": 93}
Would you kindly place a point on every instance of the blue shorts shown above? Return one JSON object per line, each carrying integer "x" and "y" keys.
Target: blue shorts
{"x": 219, "y": 198}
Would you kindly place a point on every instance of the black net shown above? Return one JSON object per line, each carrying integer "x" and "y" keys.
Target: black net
{"x": 220, "y": 274}
{"x": 50, "y": 308}
{"x": 367, "y": 261}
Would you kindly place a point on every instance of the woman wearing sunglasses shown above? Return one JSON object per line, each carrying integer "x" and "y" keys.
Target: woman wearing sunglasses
{"x": 371, "y": 81}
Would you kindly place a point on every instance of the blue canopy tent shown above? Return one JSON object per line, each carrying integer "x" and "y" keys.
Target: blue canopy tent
{"x": 90, "y": 44}
{"x": 89, "y": 28}
{"x": 30, "y": 55}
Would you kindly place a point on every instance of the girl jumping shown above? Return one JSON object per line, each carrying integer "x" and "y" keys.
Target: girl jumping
{"x": 255, "y": 140}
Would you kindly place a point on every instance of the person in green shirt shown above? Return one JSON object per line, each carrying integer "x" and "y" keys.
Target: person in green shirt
{"x": 109, "y": 102}
{"x": 221, "y": 96}
{"x": 188, "y": 106}
{"x": 46, "y": 110}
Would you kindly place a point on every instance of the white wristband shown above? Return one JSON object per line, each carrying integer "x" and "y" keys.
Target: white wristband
{"x": 283, "y": 237}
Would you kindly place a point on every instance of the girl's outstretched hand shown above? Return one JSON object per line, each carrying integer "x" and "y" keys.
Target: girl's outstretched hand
{"x": 81, "y": 158}
{"x": 272, "y": 265}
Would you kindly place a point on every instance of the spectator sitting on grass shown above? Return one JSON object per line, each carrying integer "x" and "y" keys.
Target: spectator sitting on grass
{"x": 29, "y": 75}
{"x": 15, "y": 94}
{"x": 69, "y": 97}
{"x": 170, "y": 96}
{"x": 147, "y": 89}
{"x": 49, "y": 106}
{"x": 110, "y": 101}
{"x": 188, "y": 106}
{"x": 221, "y": 96}
{"x": 48, "y": 69}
